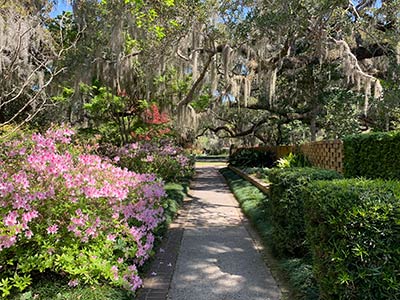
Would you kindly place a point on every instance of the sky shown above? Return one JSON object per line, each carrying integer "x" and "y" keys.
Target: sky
{"x": 61, "y": 6}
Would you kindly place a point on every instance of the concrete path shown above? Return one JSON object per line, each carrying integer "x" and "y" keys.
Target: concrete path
{"x": 217, "y": 259}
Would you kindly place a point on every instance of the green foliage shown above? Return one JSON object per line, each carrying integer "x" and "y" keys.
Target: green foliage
{"x": 293, "y": 160}
{"x": 176, "y": 193}
{"x": 10, "y": 132}
{"x": 287, "y": 207}
{"x": 341, "y": 113}
{"x": 131, "y": 44}
{"x": 353, "y": 227}
{"x": 103, "y": 102}
{"x": 147, "y": 15}
{"x": 201, "y": 103}
{"x": 51, "y": 286}
{"x": 373, "y": 155}
{"x": 254, "y": 157}
{"x": 171, "y": 85}
{"x": 386, "y": 112}
{"x": 301, "y": 277}
{"x": 110, "y": 114}
{"x": 295, "y": 132}
{"x": 64, "y": 30}
{"x": 64, "y": 96}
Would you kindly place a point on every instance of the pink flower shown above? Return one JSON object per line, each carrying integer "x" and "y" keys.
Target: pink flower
{"x": 52, "y": 229}
{"x": 114, "y": 270}
{"x": 111, "y": 237}
{"x": 28, "y": 234}
{"x": 91, "y": 231}
{"x": 11, "y": 219}
{"x": 29, "y": 216}
{"x": 149, "y": 158}
{"x": 73, "y": 283}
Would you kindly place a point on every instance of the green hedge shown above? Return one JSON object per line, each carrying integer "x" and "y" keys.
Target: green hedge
{"x": 373, "y": 155}
{"x": 353, "y": 227}
{"x": 287, "y": 209}
{"x": 253, "y": 157}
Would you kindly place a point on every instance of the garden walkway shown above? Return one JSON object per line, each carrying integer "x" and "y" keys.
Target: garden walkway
{"x": 217, "y": 258}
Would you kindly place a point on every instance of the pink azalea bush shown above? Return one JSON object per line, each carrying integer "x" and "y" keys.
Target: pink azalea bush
{"x": 76, "y": 214}
{"x": 161, "y": 158}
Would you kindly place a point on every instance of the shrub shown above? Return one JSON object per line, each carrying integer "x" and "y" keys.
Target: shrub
{"x": 255, "y": 157}
{"x": 293, "y": 160}
{"x": 354, "y": 227}
{"x": 162, "y": 158}
{"x": 287, "y": 207}
{"x": 373, "y": 155}
{"x": 75, "y": 214}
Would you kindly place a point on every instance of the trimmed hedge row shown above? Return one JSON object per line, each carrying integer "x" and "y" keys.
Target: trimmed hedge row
{"x": 353, "y": 227}
{"x": 373, "y": 155}
{"x": 287, "y": 207}
{"x": 252, "y": 158}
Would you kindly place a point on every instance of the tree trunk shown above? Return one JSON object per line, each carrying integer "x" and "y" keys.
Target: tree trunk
{"x": 313, "y": 128}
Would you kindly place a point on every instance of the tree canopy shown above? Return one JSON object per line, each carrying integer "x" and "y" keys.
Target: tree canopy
{"x": 268, "y": 71}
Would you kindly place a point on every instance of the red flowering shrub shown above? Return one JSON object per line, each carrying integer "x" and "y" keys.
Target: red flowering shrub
{"x": 155, "y": 125}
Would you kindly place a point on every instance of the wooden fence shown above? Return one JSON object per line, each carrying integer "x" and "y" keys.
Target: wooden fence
{"x": 325, "y": 154}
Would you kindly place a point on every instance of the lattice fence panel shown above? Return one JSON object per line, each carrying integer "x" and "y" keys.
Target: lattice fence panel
{"x": 325, "y": 154}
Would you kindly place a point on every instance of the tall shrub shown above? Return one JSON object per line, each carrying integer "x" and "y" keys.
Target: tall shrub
{"x": 354, "y": 231}
{"x": 373, "y": 155}
{"x": 287, "y": 207}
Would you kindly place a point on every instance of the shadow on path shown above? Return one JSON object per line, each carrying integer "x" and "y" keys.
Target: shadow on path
{"x": 217, "y": 258}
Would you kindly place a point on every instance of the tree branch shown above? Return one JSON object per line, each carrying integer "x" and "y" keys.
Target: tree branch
{"x": 190, "y": 96}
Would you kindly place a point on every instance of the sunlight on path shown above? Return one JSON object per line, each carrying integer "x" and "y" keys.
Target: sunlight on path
{"x": 217, "y": 258}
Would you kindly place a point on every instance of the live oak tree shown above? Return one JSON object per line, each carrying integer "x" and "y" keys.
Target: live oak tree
{"x": 293, "y": 50}
{"x": 251, "y": 70}
{"x": 28, "y": 60}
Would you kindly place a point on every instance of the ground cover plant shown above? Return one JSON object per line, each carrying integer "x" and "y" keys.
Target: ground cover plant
{"x": 73, "y": 214}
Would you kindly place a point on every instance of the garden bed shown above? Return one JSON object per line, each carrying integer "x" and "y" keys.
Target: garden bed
{"x": 74, "y": 224}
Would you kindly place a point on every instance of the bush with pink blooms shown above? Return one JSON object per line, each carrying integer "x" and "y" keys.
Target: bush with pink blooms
{"x": 72, "y": 213}
{"x": 161, "y": 158}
